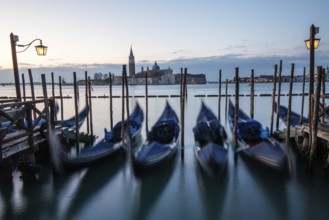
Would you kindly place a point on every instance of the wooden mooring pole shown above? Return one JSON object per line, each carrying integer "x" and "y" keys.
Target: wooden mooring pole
{"x": 236, "y": 109}
{"x": 49, "y": 116}
{"x": 90, "y": 109}
{"x": 111, "y": 101}
{"x": 87, "y": 101}
{"x": 252, "y": 94}
{"x": 52, "y": 85}
{"x": 279, "y": 97}
{"x": 185, "y": 84}
{"x": 289, "y": 103}
{"x": 76, "y": 108}
{"x": 61, "y": 98}
{"x": 290, "y": 163}
{"x": 29, "y": 154}
{"x": 122, "y": 101}
{"x": 183, "y": 113}
{"x": 181, "y": 82}
{"x": 323, "y": 93}
{"x": 273, "y": 97}
{"x": 315, "y": 117}
{"x": 219, "y": 92}
{"x": 303, "y": 98}
{"x": 23, "y": 84}
{"x": 226, "y": 83}
{"x": 146, "y": 104}
{"x": 310, "y": 98}
{"x": 46, "y": 104}
{"x": 32, "y": 90}
{"x": 127, "y": 103}
{"x": 45, "y": 97}
{"x": 53, "y": 95}
{"x": 30, "y": 126}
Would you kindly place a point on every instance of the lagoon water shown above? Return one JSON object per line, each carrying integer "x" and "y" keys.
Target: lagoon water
{"x": 181, "y": 190}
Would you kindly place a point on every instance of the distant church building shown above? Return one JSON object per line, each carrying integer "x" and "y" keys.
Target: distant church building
{"x": 131, "y": 63}
{"x": 157, "y": 75}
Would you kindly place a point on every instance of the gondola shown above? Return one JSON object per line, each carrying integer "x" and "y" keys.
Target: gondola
{"x": 162, "y": 141}
{"x": 70, "y": 123}
{"x": 209, "y": 136}
{"x": 109, "y": 145}
{"x": 67, "y": 126}
{"x": 41, "y": 122}
{"x": 255, "y": 141}
{"x": 295, "y": 118}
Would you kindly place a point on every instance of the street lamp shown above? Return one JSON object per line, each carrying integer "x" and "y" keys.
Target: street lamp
{"x": 41, "y": 51}
{"x": 311, "y": 44}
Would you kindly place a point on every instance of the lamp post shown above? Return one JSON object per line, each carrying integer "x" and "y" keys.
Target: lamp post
{"x": 41, "y": 51}
{"x": 311, "y": 44}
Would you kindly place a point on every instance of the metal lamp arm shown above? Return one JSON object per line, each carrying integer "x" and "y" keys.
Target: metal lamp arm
{"x": 27, "y": 45}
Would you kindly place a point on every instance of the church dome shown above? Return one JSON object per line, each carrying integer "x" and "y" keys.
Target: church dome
{"x": 156, "y": 67}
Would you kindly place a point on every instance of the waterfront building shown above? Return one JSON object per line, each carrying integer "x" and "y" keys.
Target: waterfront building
{"x": 192, "y": 78}
{"x": 156, "y": 75}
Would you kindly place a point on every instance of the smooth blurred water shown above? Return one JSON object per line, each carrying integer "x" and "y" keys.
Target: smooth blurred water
{"x": 178, "y": 190}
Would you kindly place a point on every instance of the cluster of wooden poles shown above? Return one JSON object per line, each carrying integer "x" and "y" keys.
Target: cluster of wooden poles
{"x": 314, "y": 102}
{"x": 125, "y": 93}
{"x": 76, "y": 102}
{"x": 125, "y": 103}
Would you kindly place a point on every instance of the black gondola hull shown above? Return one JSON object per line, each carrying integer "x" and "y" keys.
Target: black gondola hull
{"x": 264, "y": 150}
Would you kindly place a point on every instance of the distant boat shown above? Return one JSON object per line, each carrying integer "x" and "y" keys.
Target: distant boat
{"x": 162, "y": 141}
{"x": 255, "y": 142}
{"x": 210, "y": 136}
{"x": 109, "y": 145}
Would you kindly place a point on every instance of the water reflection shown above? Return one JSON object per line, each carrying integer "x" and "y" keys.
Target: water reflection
{"x": 31, "y": 199}
{"x": 271, "y": 183}
{"x": 150, "y": 185}
{"x": 111, "y": 190}
{"x": 311, "y": 195}
{"x": 212, "y": 192}
{"x": 95, "y": 178}
{"x": 6, "y": 193}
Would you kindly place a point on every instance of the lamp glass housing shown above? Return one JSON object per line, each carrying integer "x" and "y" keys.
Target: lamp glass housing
{"x": 316, "y": 43}
{"x": 41, "y": 50}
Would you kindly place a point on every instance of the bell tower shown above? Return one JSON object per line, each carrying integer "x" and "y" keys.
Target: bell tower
{"x": 131, "y": 63}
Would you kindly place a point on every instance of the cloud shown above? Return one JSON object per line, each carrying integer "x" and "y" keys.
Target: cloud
{"x": 54, "y": 59}
{"x": 261, "y": 64}
{"x": 178, "y": 51}
{"x": 29, "y": 65}
{"x": 144, "y": 61}
{"x": 230, "y": 47}
{"x": 206, "y": 65}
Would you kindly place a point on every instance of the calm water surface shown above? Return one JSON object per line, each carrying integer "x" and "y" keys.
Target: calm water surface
{"x": 178, "y": 190}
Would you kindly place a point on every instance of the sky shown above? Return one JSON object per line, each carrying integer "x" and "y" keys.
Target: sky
{"x": 202, "y": 36}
